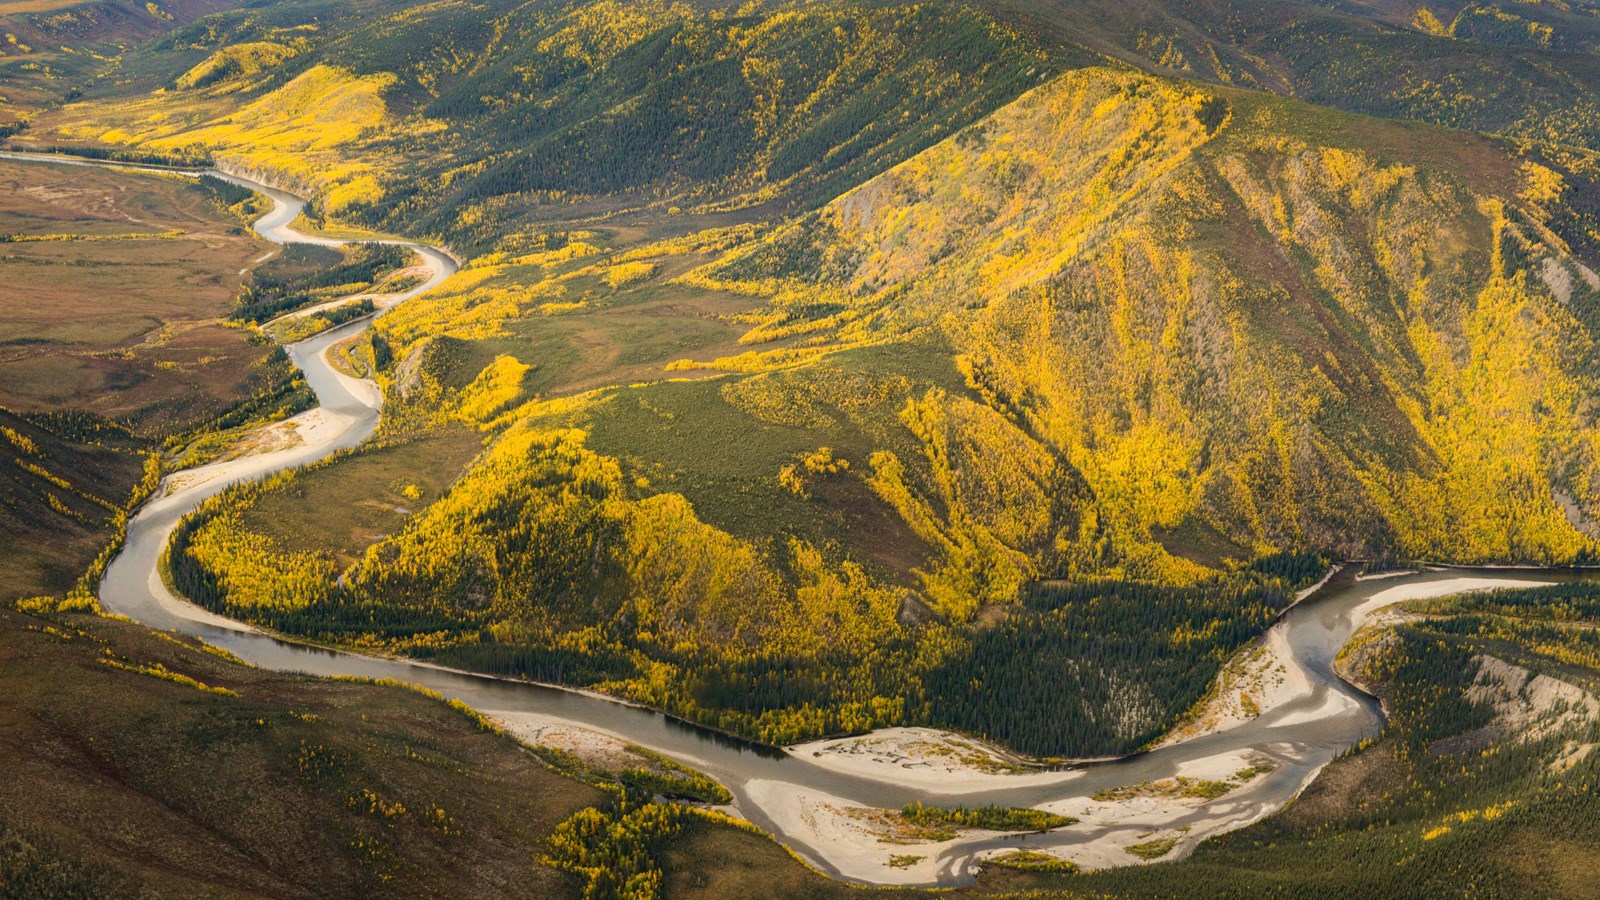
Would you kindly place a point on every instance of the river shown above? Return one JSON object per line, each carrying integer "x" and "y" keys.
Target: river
{"x": 1297, "y": 736}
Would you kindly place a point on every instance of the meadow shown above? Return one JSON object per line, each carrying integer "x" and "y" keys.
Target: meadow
{"x": 113, "y": 323}
{"x": 116, "y": 293}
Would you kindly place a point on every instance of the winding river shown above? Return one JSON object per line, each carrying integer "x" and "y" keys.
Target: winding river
{"x": 1298, "y": 736}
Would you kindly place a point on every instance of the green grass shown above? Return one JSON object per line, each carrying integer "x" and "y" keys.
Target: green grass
{"x": 666, "y": 777}
{"x": 1031, "y": 861}
{"x": 342, "y": 506}
{"x": 1152, "y": 849}
{"x": 689, "y": 438}
{"x": 988, "y": 818}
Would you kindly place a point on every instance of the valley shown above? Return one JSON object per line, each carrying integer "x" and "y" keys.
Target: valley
{"x": 1024, "y": 449}
{"x": 1289, "y": 740}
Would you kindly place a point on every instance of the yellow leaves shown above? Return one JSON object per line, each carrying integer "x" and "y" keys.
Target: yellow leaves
{"x": 1428, "y": 23}
{"x": 987, "y": 499}
{"x": 1065, "y": 159}
{"x": 1487, "y": 814}
{"x": 1185, "y": 634}
{"x": 686, "y": 569}
{"x": 1361, "y": 180}
{"x": 1495, "y": 415}
{"x": 361, "y": 190}
{"x": 764, "y": 78}
{"x": 575, "y": 249}
{"x": 754, "y": 361}
{"x": 628, "y": 274}
{"x": 323, "y": 108}
{"x": 1541, "y": 187}
{"x": 251, "y": 569}
{"x": 493, "y": 391}
{"x": 306, "y": 133}
{"x": 1142, "y": 473}
{"x": 372, "y": 804}
{"x": 235, "y": 61}
{"x": 597, "y": 31}
{"x": 165, "y": 674}
{"x": 466, "y": 306}
{"x": 821, "y": 462}
{"x": 18, "y": 440}
{"x": 1499, "y": 809}
{"x": 791, "y": 480}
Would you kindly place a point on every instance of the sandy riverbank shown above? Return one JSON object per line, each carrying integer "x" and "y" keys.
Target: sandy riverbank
{"x": 833, "y": 830}
{"x": 927, "y": 759}
{"x": 1263, "y": 677}
{"x": 1163, "y": 812}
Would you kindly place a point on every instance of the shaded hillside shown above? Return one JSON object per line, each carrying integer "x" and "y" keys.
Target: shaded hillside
{"x": 145, "y": 764}
{"x": 55, "y": 49}
{"x": 425, "y": 120}
{"x": 1525, "y": 70}
{"x": 60, "y": 499}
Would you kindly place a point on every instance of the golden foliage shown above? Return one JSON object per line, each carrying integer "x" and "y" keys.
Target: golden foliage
{"x": 236, "y": 61}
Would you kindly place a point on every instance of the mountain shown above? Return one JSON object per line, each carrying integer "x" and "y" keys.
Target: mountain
{"x": 470, "y": 127}
{"x": 55, "y": 48}
{"x": 1123, "y": 333}
{"x": 521, "y": 107}
{"x": 997, "y": 367}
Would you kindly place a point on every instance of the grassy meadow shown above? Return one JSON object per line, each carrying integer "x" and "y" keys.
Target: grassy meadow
{"x": 116, "y": 295}
{"x": 113, "y": 324}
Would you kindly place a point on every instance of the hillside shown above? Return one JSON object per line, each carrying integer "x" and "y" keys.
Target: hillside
{"x": 1278, "y": 339}
{"x": 248, "y": 783}
{"x": 89, "y": 389}
{"x": 424, "y": 121}
{"x": 814, "y": 367}
{"x": 55, "y": 49}
{"x": 1523, "y": 70}
{"x": 470, "y": 127}
{"x": 307, "y": 784}
{"x": 1123, "y": 333}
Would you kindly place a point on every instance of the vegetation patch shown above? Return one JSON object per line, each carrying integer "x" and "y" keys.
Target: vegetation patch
{"x": 1184, "y": 787}
{"x": 1152, "y": 849}
{"x": 1032, "y": 861}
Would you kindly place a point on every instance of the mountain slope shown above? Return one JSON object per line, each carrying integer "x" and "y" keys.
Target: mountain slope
{"x": 1222, "y": 339}
{"x": 1167, "y": 344}
{"x": 424, "y": 120}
